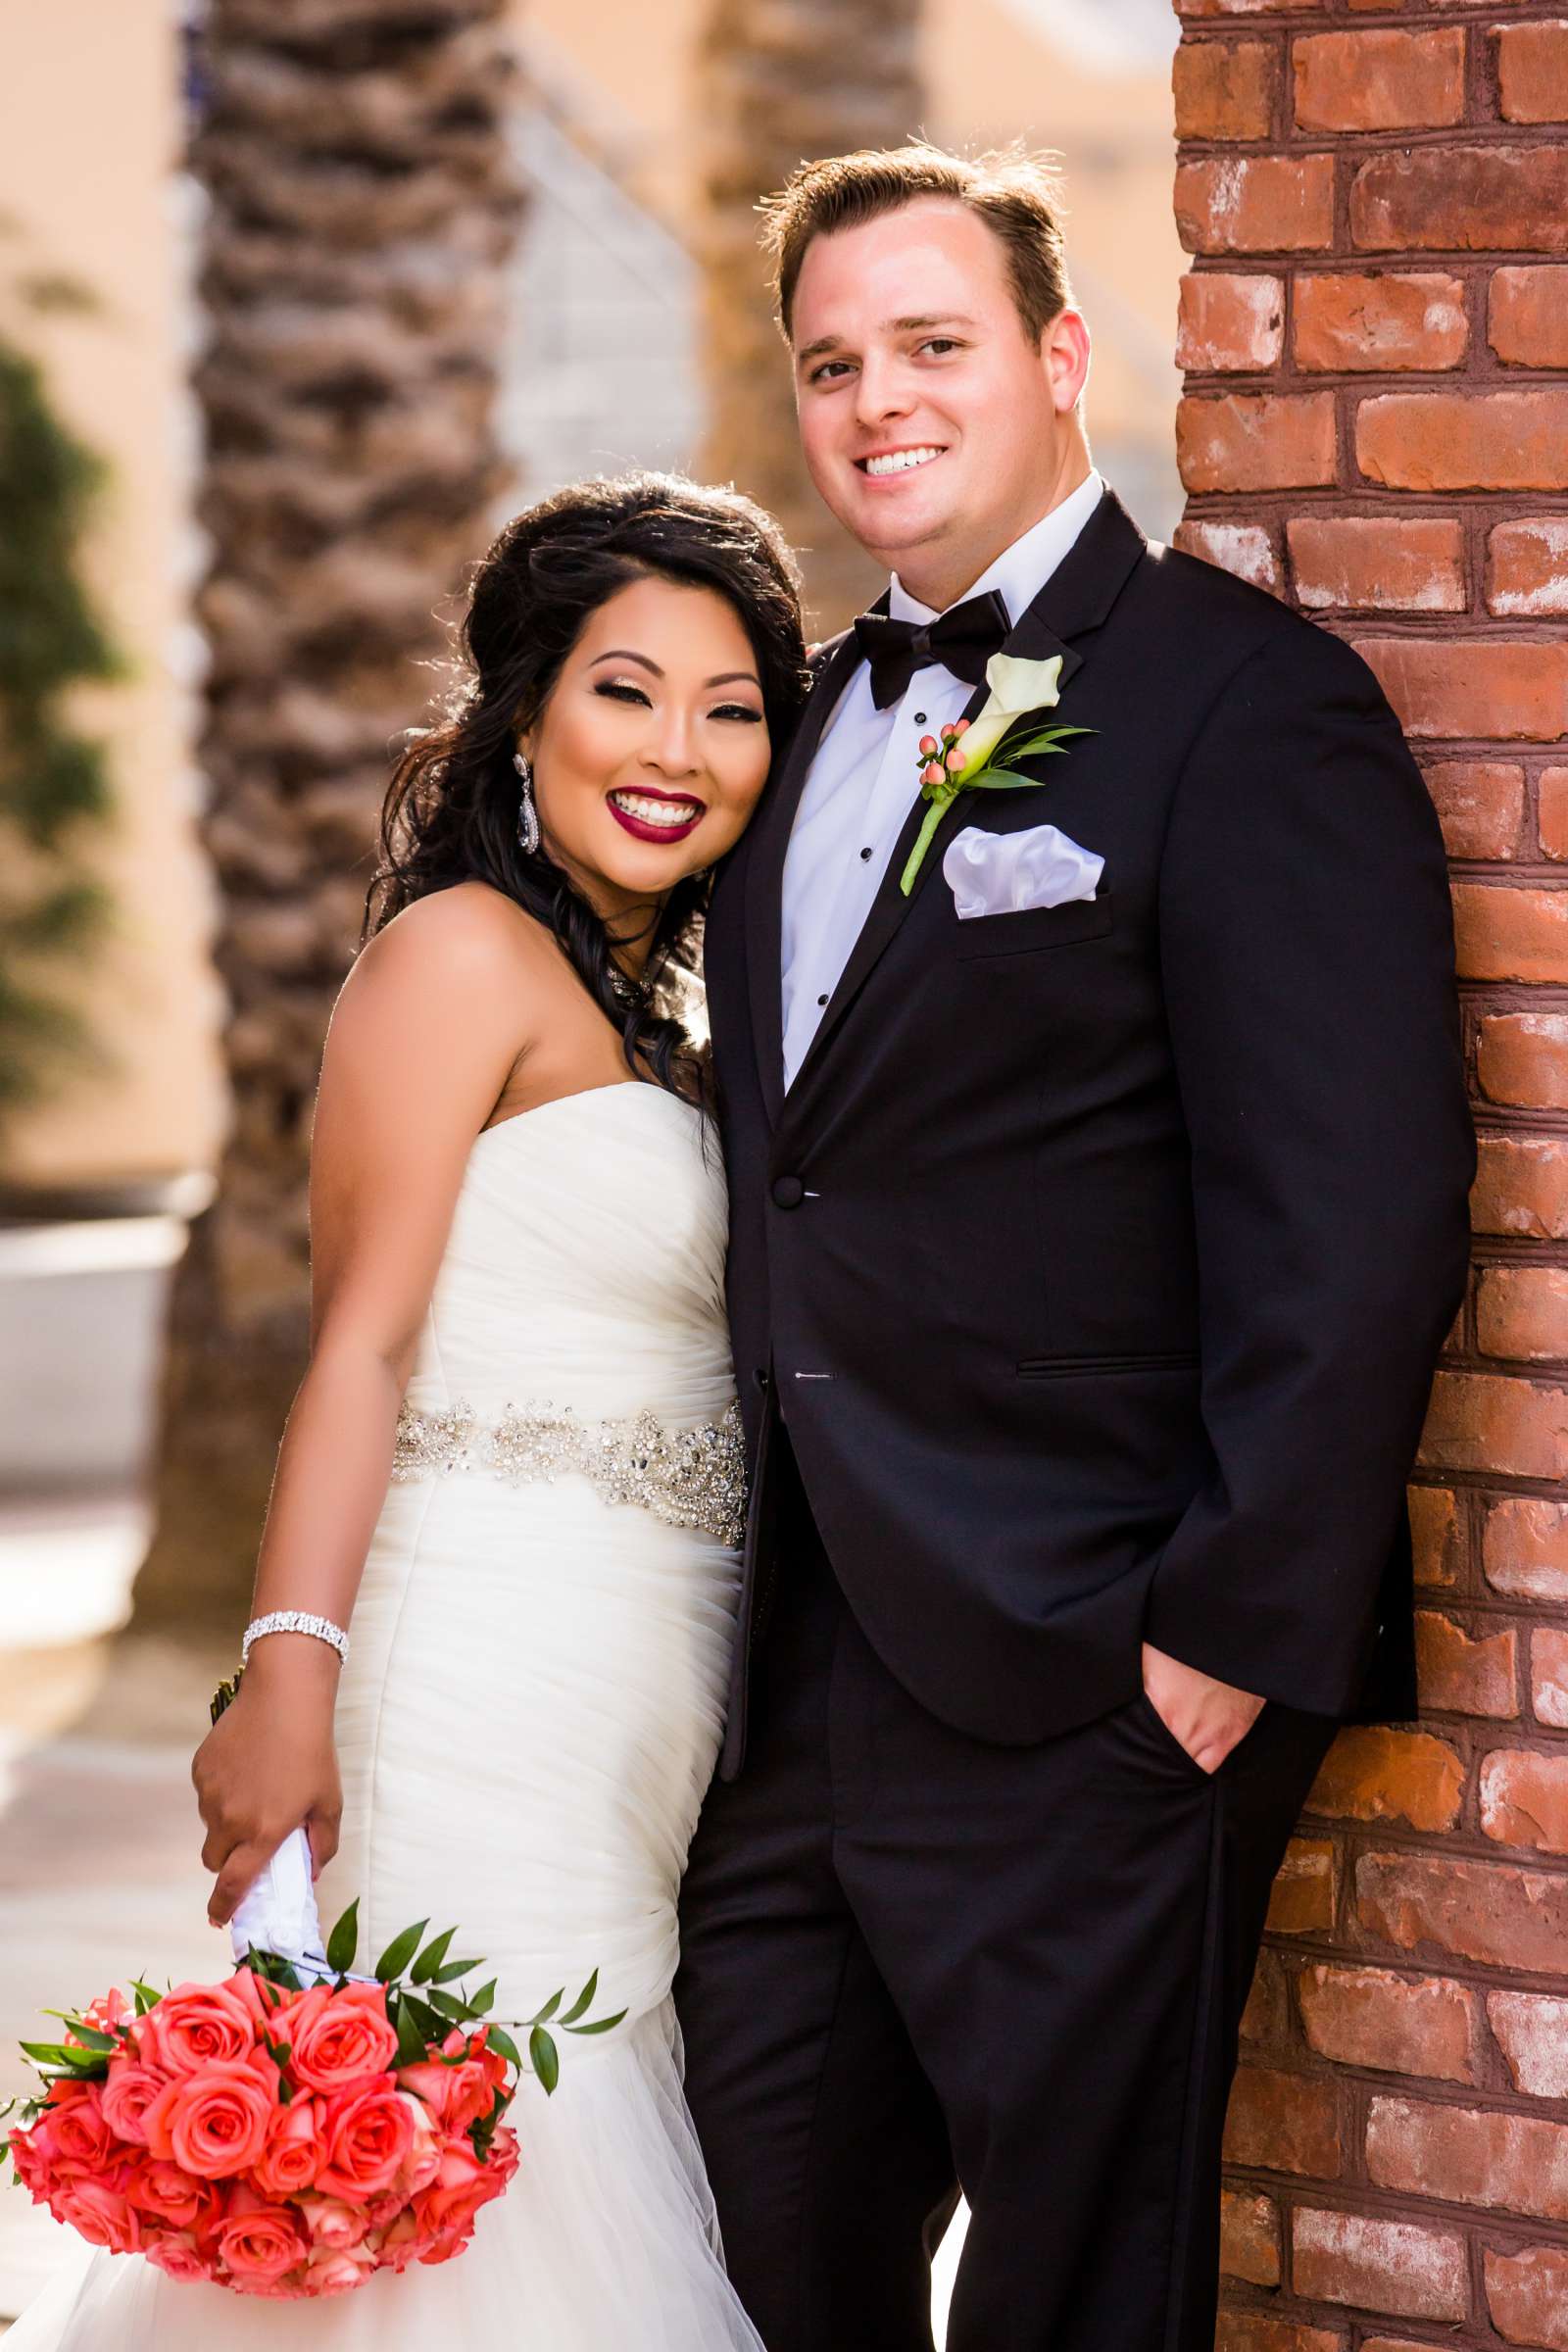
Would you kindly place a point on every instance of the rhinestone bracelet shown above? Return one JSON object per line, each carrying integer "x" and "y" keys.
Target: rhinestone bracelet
{"x": 295, "y": 1621}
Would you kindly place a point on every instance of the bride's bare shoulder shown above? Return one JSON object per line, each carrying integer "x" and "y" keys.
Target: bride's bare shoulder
{"x": 465, "y": 943}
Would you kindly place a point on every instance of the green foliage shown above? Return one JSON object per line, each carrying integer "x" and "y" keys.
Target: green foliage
{"x": 52, "y": 781}
{"x": 421, "y": 2021}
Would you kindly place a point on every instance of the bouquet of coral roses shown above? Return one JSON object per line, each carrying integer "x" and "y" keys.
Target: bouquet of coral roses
{"x": 297, "y": 2127}
{"x": 283, "y": 2137}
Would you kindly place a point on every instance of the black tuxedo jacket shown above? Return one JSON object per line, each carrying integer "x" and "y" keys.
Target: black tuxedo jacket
{"x": 1098, "y": 1256}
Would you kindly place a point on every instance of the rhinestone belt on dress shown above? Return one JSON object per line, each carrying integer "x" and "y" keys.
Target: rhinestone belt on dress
{"x": 686, "y": 1477}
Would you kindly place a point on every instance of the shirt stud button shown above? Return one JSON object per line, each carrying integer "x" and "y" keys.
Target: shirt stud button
{"x": 865, "y": 853}
{"x": 920, "y": 718}
{"x": 821, "y": 1000}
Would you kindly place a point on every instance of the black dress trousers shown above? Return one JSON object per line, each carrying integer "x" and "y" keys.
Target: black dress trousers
{"x": 914, "y": 1961}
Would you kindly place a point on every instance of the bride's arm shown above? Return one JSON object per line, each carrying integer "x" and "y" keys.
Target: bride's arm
{"x": 429, "y": 1024}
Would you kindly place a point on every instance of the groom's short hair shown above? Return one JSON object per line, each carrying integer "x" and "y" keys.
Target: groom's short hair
{"x": 1015, "y": 192}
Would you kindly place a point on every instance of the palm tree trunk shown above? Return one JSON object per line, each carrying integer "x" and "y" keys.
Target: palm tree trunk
{"x": 781, "y": 83}
{"x": 363, "y": 213}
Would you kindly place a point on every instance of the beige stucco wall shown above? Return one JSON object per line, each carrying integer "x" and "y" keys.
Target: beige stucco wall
{"x": 991, "y": 79}
{"x": 87, "y": 188}
{"x": 92, "y": 132}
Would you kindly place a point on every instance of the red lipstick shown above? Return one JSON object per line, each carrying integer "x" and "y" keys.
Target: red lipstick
{"x": 649, "y": 829}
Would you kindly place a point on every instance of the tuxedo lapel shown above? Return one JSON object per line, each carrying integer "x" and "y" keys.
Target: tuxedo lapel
{"x": 1074, "y": 600}
{"x": 764, "y": 872}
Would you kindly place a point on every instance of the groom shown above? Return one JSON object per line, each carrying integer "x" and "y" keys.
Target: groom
{"x": 1099, "y": 1207}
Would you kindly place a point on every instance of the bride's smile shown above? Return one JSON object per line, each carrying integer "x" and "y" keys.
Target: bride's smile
{"x": 653, "y": 746}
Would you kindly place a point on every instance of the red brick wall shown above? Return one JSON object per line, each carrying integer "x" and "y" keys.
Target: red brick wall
{"x": 1375, "y": 330}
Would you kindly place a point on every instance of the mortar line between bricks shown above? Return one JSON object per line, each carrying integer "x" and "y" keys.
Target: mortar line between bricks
{"x": 1327, "y": 16}
{"x": 1497, "y": 1484}
{"x": 1300, "y": 142}
{"x": 1391, "y": 2203}
{"x": 1464, "y": 1845}
{"x": 1489, "y": 1604}
{"x": 1548, "y": 1125}
{"x": 1377, "y": 384}
{"x": 1470, "y": 1973}
{"x": 1401, "y": 2204}
{"x": 1410, "y": 261}
{"x": 1513, "y": 995}
{"x": 1269, "y": 506}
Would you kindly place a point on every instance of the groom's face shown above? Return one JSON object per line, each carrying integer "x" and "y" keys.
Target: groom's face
{"x": 933, "y": 426}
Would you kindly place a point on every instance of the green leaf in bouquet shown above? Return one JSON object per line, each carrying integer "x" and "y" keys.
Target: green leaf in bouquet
{"x": 285, "y": 2091}
{"x": 410, "y": 2050}
{"x": 455, "y": 1969}
{"x": 89, "y": 2037}
{"x": 542, "y": 2016}
{"x": 344, "y": 1940}
{"x": 48, "y": 2053}
{"x": 431, "y": 2023}
{"x": 584, "y": 2001}
{"x": 483, "y": 2000}
{"x": 146, "y": 1999}
{"x": 431, "y": 1959}
{"x": 601, "y": 2025}
{"x": 400, "y": 1951}
{"x": 500, "y": 2039}
{"x": 447, "y": 2004}
{"x": 543, "y": 2058}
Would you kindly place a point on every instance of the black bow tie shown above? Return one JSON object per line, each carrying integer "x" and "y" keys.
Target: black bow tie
{"x": 962, "y": 640}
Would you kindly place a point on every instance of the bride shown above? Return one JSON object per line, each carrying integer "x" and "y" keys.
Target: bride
{"x": 513, "y": 1471}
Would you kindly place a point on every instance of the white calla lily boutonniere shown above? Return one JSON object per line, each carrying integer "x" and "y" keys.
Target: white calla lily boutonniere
{"x": 982, "y": 754}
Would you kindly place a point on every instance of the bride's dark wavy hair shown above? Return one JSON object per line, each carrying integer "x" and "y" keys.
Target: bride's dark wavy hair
{"x": 451, "y": 813}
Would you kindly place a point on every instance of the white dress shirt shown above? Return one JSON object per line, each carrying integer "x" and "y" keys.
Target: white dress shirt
{"x": 865, "y": 775}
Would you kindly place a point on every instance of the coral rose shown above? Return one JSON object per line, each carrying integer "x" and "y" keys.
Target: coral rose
{"x": 81, "y": 2135}
{"x": 429, "y": 2082}
{"x": 108, "y": 2013}
{"x": 407, "y": 2240}
{"x": 196, "y": 2025}
{"x": 423, "y": 2159}
{"x": 215, "y": 2122}
{"x": 368, "y": 2132}
{"x": 332, "y": 2224}
{"x": 33, "y": 2158}
{"x": 129, "y": 2090}
{"x": 170, "y": 2195}
{"x": 257, "y": 2243}
{"x": 177, "y": 2256}
{"x": 462, "y": 2094}
{"x": 264, "y": 2001}
{"x": 504, "y": 2154}
{"x": 295, "y": 2150}
{"x": 338, "y": 2038}
{"x": 336, "y": 2274}
{"x": 100, "y": 2212}
{"x": 462, "y": 2185}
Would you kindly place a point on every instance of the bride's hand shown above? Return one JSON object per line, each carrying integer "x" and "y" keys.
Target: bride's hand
{"x": 269, "y": 1765}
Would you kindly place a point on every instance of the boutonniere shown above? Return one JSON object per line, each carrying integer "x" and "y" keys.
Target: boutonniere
{"x": 983, "y": 753}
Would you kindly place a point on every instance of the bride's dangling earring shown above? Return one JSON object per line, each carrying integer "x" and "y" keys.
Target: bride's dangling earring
{"x": 527, "y": 814}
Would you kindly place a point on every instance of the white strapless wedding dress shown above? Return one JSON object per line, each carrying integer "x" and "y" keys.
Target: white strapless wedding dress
{"x": 527, "y": 1723}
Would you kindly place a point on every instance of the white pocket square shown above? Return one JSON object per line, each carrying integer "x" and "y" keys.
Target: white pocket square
{"x": 1002, "y": 873}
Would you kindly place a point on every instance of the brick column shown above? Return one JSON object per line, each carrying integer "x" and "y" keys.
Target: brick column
{"x": 1376, "y": 428}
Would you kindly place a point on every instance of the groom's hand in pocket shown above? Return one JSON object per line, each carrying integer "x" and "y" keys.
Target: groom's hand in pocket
{"x": 1208, "y": 1716}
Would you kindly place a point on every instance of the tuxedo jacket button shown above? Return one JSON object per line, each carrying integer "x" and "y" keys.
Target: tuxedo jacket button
{"x": 788, "y": 1192}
